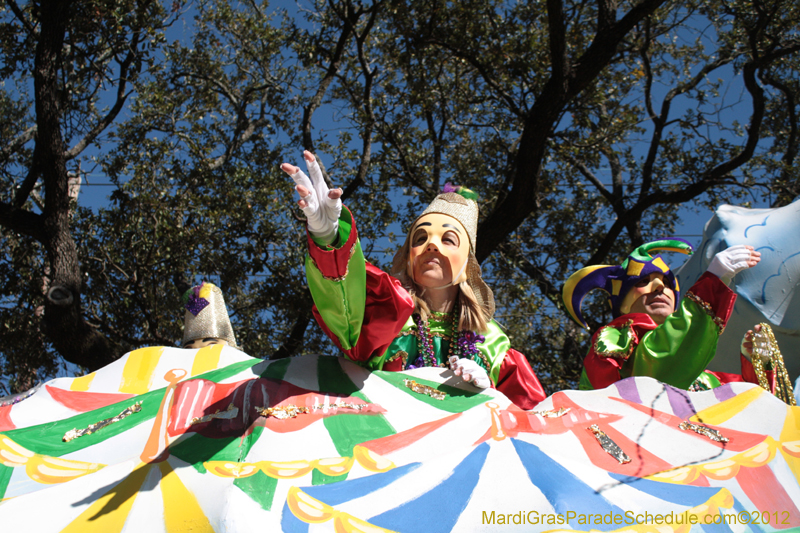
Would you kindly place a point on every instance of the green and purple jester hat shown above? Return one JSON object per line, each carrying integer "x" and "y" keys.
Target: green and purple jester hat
{"x": 616, "y": 281}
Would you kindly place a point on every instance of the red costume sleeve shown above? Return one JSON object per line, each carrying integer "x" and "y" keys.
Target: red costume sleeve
{"x": 711, "y": 290}
{"x": 749, "y": 374}
{"x": 518, "y": 381}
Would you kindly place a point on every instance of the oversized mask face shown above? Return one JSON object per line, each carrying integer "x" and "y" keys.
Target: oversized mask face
{"x": 651, "y": 296}
{"x": 439, "y": 251}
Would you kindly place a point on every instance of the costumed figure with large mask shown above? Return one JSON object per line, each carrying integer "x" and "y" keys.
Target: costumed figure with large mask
{"x": 434, "y": 310}
{"x": 655, "y": 332}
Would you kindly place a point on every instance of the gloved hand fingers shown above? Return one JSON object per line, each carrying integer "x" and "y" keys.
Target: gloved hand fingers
{"x": 755, "y": 258}
{"x": 756, "y": 343}
{"x": 481, "y": 380}
{"x": 289, "y": 169}
{"x": 315, "y": 173}
{"x": 742, "y": 256}
{"x": 453, "y": 362}
{"x": 299, "y": 176}
{"x": 471, "y": 372}
{"x": 331, "y": 204}
{"x": 308, "y": 203}
{"x": 733, "y": 260}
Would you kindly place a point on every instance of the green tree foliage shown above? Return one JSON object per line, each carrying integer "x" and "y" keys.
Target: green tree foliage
{"x": 584, "y": 127}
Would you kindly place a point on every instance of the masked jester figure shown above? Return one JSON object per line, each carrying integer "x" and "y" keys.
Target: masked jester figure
{"x": 434, "y": 310}
{"x": 655, "y": 332}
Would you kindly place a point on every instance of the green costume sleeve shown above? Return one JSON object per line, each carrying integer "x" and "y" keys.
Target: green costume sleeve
{"x": 337, "y": 280}
{"x": 678, "y": 351}
{"x": 494, "y": 349}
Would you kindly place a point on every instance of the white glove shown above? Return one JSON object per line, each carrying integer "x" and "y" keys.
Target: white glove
{"x": 321, "y": 205}
{"x": 728, "y": 263}
{"x": 756, "y": 344}
{"x": 470, "y": 371}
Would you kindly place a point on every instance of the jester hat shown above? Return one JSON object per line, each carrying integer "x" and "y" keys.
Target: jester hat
{"x": 206, "y": 315}
{"x": 617, "y": 281}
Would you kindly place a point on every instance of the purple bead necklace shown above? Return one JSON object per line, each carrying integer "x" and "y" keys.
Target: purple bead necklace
{"x": 462, "y": 344}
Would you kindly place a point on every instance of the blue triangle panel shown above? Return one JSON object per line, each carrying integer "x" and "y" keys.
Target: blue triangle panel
{"x": 337, "y": 493}
{"x": 563, "y": 489}
{"x": 438, "y": 509}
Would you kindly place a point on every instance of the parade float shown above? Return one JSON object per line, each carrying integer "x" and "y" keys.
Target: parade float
{"x": 211, "y": 439}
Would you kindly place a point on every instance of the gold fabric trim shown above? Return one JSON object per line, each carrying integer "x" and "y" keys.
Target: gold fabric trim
{"x": 705, "y": 306}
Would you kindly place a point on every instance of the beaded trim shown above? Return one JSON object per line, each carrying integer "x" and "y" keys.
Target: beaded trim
{"x": 783, "y": 384}
{"x": 413, "y": 331}
{"x": 462, "y": 344}
{"x": 346, "y": 270}
{"x": 705, "y": 306}
{"x": 616, "y": 354}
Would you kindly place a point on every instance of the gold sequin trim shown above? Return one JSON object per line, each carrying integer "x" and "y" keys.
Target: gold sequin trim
{"x": 228, "y": 414}
{"x": 346, "y": 270}
{"x": 705, "y": 306}
{"x": 340, "y": 405}
{"x": 617, "y": 354}
{"x": 419, "y": 388}
{"x": 550, "y": 413}
{"x": 282, "y": 412}
{"x": 75, "y": 433}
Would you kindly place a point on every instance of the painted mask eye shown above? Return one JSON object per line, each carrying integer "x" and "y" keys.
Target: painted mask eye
{"x": 451, "y": 238}
{"x": 419, "y": 238}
